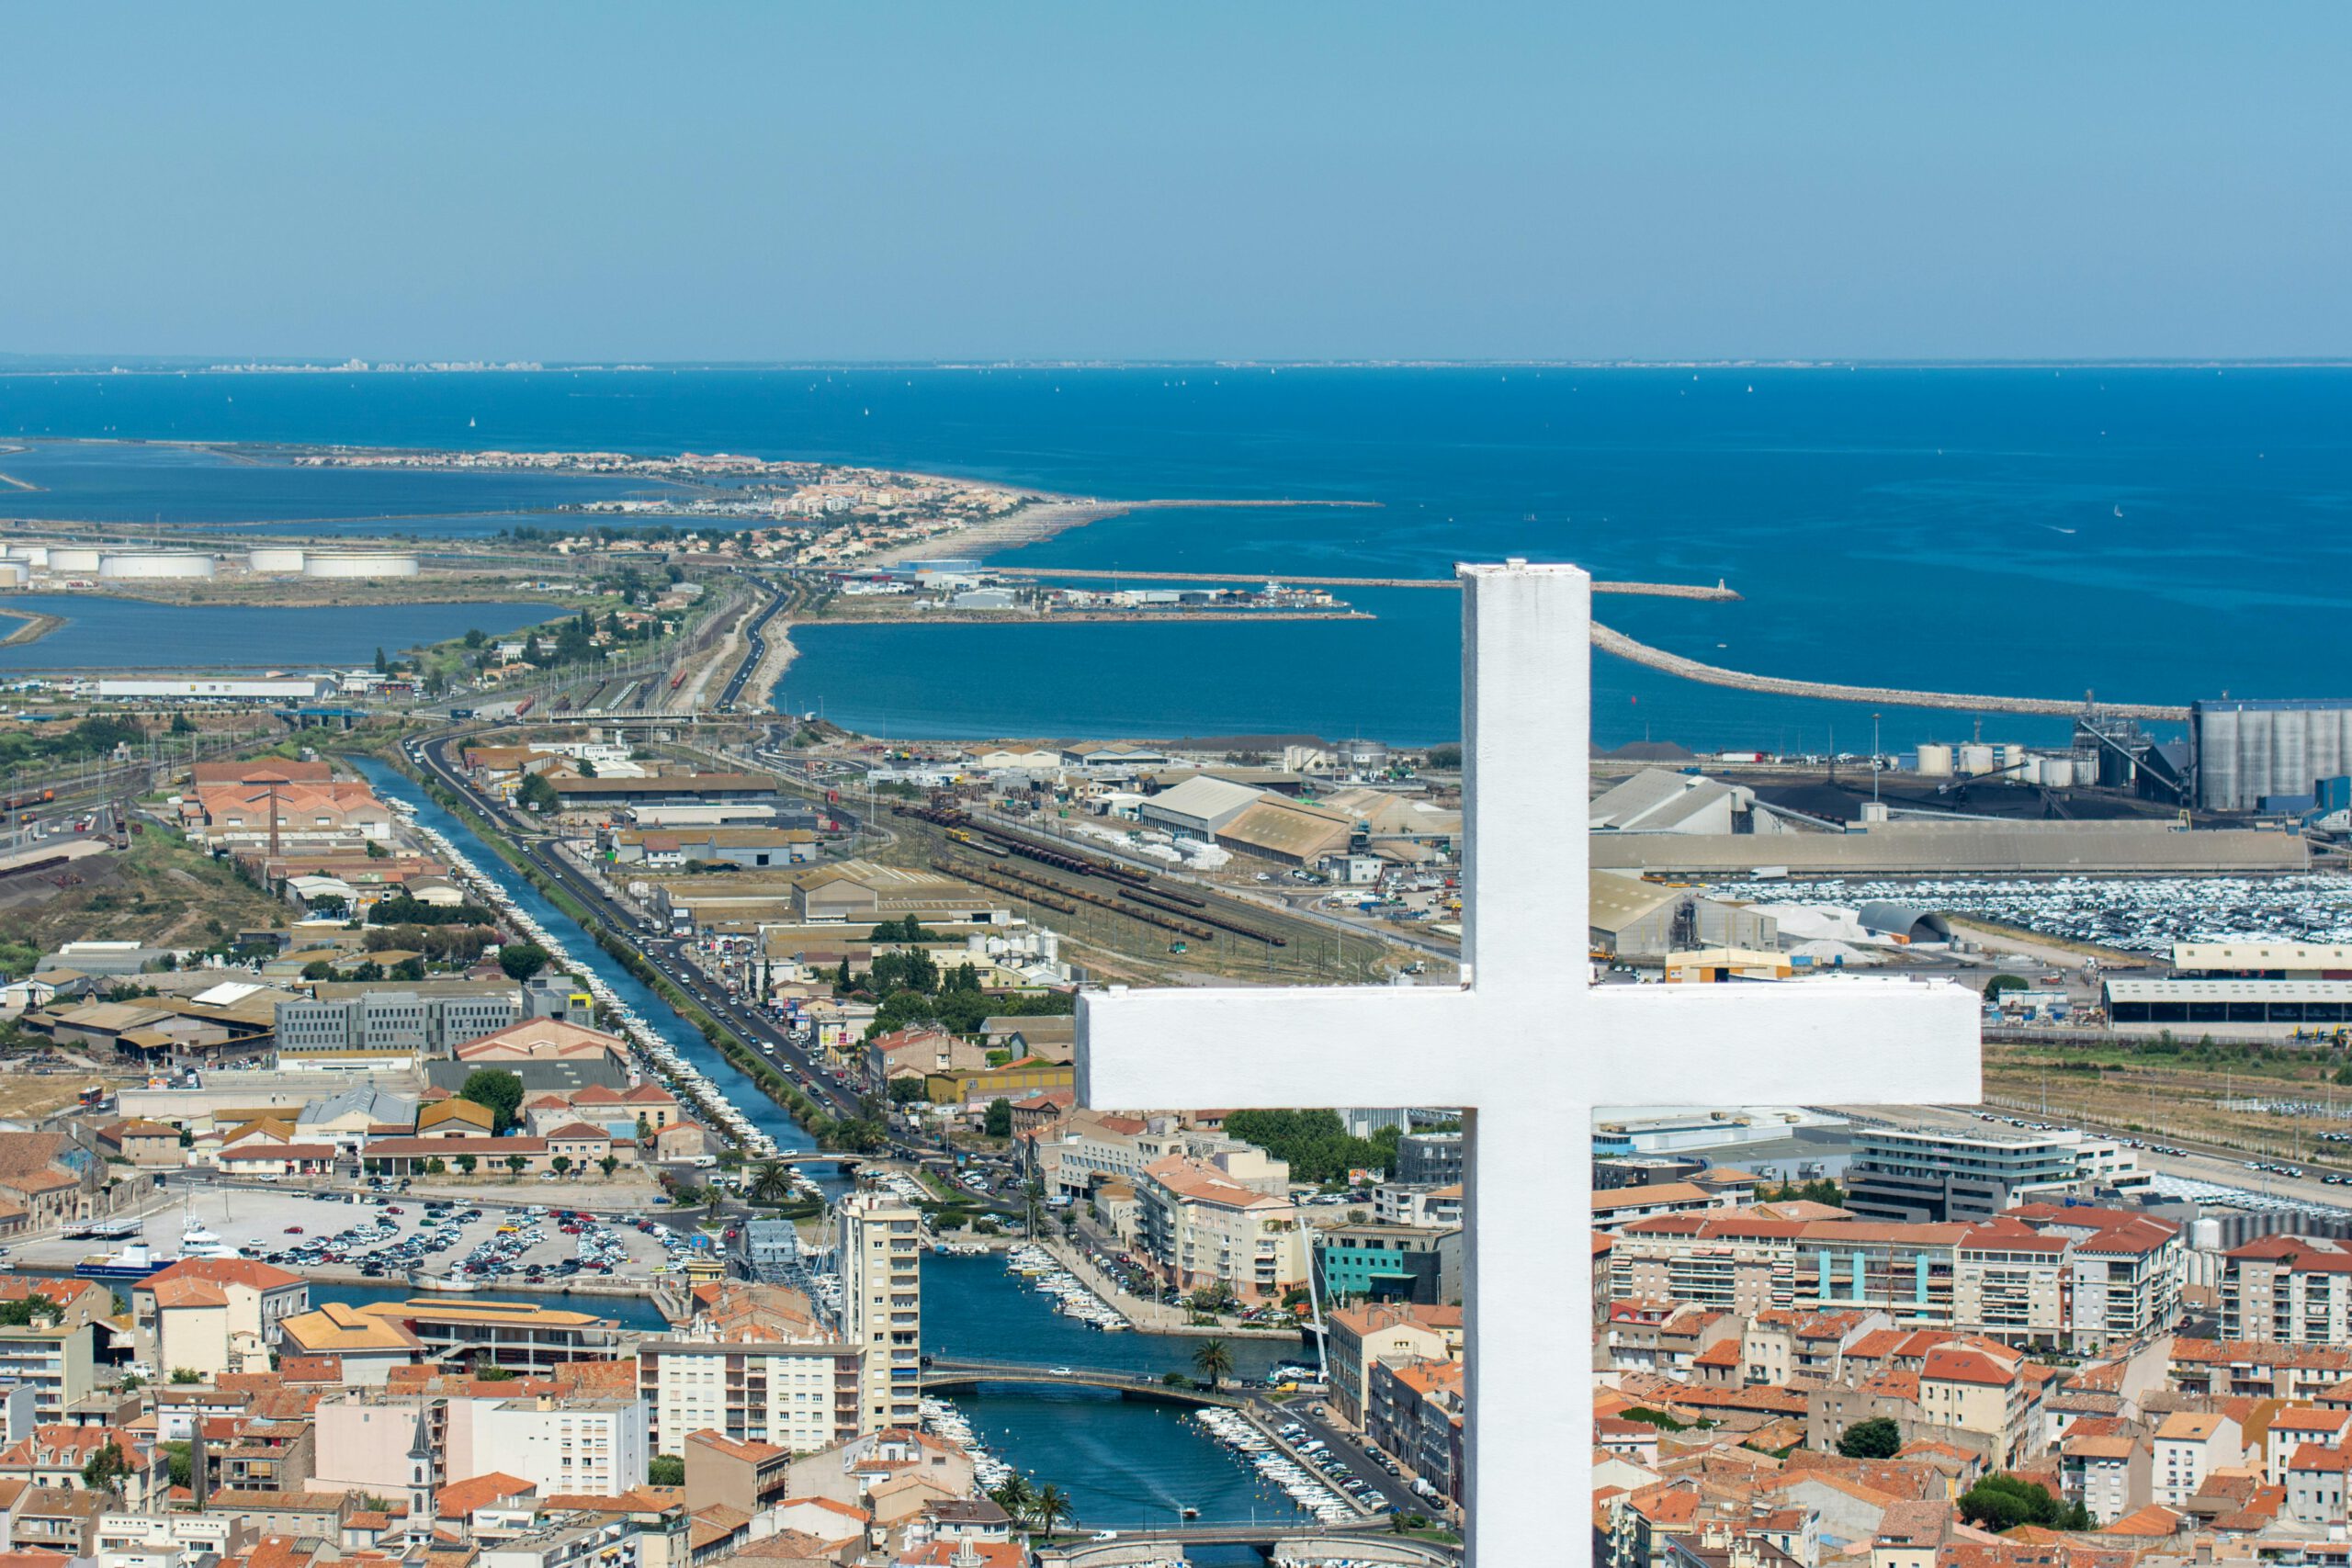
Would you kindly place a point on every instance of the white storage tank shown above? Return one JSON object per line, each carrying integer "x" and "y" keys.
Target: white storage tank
{"x": 31, "y": 555}
{"x": 2032, "y": 771}
{"x": 274, "y": 558}
{"x": 359, "y": 563}
{"x": 1976, "y": 759}
{"x": 1935, "y": 761}
{"x": 2058, "y": 772}
{"x": 2012, "y": 756}
{"x": 152, "y": 564}
{"x": 73, "y": 559}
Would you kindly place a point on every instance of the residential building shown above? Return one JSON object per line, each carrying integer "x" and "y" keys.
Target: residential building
{"x": 2189, "y": 1447}
{"x": 2293, "y": 1289}
{"x": 2297, "y": 1427}
{"x": 752, "y": 1365}
{"x": 583, "y": 1446}
{"x": 1200, "y": 1227}
{"x": 1981, "y": 1387}
{"x": 1358, "y": 1338}
{"x": 881, "y": 1261}
{"x": 1430, "y": 1160}
{"x": 2109, "y": 1475}
{"x": 52, "y": 1356}
{"x": 214, "y": 1316}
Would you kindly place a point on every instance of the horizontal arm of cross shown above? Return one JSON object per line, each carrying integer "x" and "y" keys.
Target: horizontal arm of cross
{"x": 1187, "y": 1049}
{"x": 1866, "y": 1041}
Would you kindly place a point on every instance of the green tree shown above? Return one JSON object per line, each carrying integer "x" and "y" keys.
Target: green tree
{"x": 105, "y": 1468}
{"x": 318, "y": 969}
{"x": 1213, "y": 1358}
{"x": 666, "y": 1470}
{"x": 409, "y": 969}
{"x": 999, "y": 1119}
{"x": 537, "y": 793}
{"x": 1877, "y": 1438}
{"x": 521, "y": 959}
{"x": 561, "y": 1165}
{"x": 181, "y": 1465}
{"x": 905, "y": 1091}
{"x": 183, "y": 1375}
{"x": 2001, "y": 1502}
{"x": 380, "y": 666}
{"x": 587, "y": 769}
{"x": 466, "y": 1163}
{"x": 515, "y": 1163}
{"x": 19, "y": 1314}
{"x": 437, "y": 1166}
{"x": 498, "y": 1091}
{"x": 1052, "y": 1509}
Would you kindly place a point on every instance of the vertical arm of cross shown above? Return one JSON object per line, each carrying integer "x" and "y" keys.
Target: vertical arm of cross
{"x": 1526, "y": 739}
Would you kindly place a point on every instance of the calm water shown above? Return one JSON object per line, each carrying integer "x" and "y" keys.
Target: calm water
{"x": 1947, "y": 528}
{"x": 101, "y": 633}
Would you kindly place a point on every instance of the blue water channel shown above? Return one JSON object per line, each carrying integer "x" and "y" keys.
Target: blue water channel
{"x": 1124, "y": 1465}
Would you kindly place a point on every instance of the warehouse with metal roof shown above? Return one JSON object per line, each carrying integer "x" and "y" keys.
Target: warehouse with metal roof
{"x": 1287, "y": 831}
{"x": 2229, "y": 1007}
{"x": 1198, "y": 808}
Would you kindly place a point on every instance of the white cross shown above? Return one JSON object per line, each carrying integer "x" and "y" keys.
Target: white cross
{"x": 1528, "y": 1047}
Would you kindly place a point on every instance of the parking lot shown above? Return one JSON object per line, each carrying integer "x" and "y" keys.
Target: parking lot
{"x": 388, "y": 1237}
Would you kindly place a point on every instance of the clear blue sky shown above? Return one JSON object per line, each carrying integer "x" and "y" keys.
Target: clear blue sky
{"x": 998, "y": 179}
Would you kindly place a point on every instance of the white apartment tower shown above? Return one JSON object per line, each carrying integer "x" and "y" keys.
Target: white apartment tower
{"x": 881, "y": 1268}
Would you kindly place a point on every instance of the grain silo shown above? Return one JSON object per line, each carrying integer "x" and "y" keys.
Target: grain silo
{"x": 360, "y": 563}
{"x": 2249, "y": 748}
{"x": 153, "y": 565}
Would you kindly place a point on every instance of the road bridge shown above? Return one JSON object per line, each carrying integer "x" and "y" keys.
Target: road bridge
{"x": 945, "y": 1374}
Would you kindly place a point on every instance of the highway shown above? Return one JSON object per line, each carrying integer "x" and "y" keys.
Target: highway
{"x": 757, "y": 646}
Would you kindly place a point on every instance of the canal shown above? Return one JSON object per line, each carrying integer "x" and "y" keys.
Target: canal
{"x": 1123, "y": 1465}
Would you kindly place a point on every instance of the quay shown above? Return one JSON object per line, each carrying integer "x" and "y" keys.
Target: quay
{"x": 1609, "y": 640}
{"x": 1719, "y": 593}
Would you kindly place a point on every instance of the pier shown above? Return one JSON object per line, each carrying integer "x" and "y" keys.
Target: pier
{"x": 1611, "y": 641}
{"x": 1719, "y": 593}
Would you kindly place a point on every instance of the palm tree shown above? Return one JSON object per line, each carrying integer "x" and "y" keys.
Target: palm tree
{"x": 771, "y": 1182}
{"x": 1017, "y": 1498}
{"x": 1052, "y": 1508}
{"x": 1213, "y": 1358}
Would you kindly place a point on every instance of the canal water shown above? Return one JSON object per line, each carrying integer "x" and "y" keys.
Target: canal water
{"x": 1123, "y": 1465}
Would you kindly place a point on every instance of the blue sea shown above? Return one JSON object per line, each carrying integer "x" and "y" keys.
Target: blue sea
{"x": 2153, "y": 535}
{"x": 103, "y": 633}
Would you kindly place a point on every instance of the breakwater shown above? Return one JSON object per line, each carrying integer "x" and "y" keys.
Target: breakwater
{"x": 1720, "y": 593}
{"x": 1609, "y": 640}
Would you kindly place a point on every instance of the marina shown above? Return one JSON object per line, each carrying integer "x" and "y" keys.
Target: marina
{"x": 1072, "y": 1297}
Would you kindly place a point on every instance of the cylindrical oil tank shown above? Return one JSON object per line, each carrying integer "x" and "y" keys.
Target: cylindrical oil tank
{"x": 1976, "y": 759}
{"x": 2217, "y": 758}
{"x": 15, "y": 573}
{"x": 2058, "y": 772}
{"x": 274, "y": 558}
{"x": 2030, "y": 773}
{"x": 146, "y": 564}
{"x": 360, "y": 563}
{"x": 2012, "y": 755}
{"x": 71, "y": 558}
{"x": 31, "y": 555}
{"x": 1935, "y": 761}
{"x": 2291, "y": 766}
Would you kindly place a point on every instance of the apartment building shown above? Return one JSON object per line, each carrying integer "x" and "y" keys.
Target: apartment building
{"x": 2294, "y": 1427}
{"x": 2191, "y": 1445}
{"x": 584, "y": 1446}
{"x": 881, "y": 1260}
{"x": 2066, "y": 1283}
{"x": 1982, "y": 1388}
{"x": 2107, "y": 1474}
{"x": 1202, "y": 1228}
{"x": 2296, "y": 1289}
{"x": 212, "y": 1316}
{"x": 1358, "y": 1338}
{"x": 53, "y": 1359}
